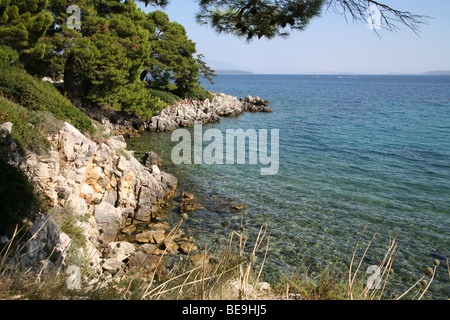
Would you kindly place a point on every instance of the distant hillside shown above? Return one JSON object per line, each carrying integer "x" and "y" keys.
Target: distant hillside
{"x": 436, "y": 73}
{"x": 233, "y": 72}
{"x": 427, "y": 73}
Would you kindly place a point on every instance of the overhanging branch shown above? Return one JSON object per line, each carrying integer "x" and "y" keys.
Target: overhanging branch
{"x": 389, "y": 18}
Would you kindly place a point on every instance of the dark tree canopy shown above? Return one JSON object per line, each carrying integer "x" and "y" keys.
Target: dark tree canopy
{"x": 273, "y": 18}
{"x": 256, "y": 18}
{"x": 22, "y": 27}
{"x": 102, "y": 57}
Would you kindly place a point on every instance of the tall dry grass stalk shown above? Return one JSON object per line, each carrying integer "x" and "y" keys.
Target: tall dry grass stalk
{"x": 140, "y": 270}
{"x": 10, "y": 260}
{"x": 207, "y": 278}
{"x": 375, "y": 287}
{"x": 423, "y": 283}
{"x": 376, "y": 284}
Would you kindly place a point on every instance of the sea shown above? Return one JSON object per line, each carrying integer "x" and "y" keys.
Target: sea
{"x": 364, "y": 162}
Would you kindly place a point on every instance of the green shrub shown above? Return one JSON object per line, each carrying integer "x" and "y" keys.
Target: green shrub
{"x": 25, "y": 128}
{"x": 165, "y": 96}
{"x": 198, "y": 93}
{"x": 45, "y": 122}
{"x": 152, "y": 106}
{"x": 37, "y": 95}
{"x": 8, "y": 56}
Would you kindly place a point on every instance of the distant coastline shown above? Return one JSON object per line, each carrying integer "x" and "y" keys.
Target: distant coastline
{"x": 427, "y": 73}
{"x": 432, "y": 73}
{"x": 336, "y": 73}
{"x": 233, "y": 72}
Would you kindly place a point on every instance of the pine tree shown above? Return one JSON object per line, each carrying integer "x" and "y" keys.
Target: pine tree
{"x": 102, "y": 58}
{"x": 23, "y": 23}
{"x": 107, "y": 64}
{"x": 172, "y": 64}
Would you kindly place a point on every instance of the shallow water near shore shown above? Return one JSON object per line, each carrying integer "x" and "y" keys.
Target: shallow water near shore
{"x": 354, "y": 151}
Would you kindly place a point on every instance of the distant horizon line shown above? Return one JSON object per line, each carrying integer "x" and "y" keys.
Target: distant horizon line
{"x": 426, "y": 73}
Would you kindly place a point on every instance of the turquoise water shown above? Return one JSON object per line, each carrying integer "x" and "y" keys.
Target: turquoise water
{"x": 353, "y": 151}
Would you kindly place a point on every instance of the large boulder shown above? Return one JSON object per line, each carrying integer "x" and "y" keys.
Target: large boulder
{"x": 187, "y": 247}
{"x": 110, "y": 220}
{"x": 120, "y": 250}
{"x": 73, "y": 145}
{"x": 169, "y": 182}
{"x": 146, "y": 208}
{"x": 151, "y": 158}
{"x": 44, "y": 239}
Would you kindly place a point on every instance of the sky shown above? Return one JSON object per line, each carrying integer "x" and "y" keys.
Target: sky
{"x": 329, "y": 43}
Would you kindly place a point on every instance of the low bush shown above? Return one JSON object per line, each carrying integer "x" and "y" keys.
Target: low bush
{"x": 198, "y": 93}
{"x": 165, "y": 96}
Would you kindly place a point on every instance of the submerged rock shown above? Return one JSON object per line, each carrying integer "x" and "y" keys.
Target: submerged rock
{"x": 237, "y": 206}
{"x": 151, "y": 158}
{"x": 186, "y": 196}
{"x": 169, "y": 247}
{"x": 187, "y": 203}
{"x": 129, "y": 230}
{"x": 149, "y": 248}
{"x": 187, "y": 247}
{"x": 159, "y": 225}
{"x": 187, "y": 207}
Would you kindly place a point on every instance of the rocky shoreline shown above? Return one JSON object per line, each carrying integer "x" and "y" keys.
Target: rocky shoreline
{"x": 100, "y": 185}
{"x": 115, "y": 199}
{"x": 184, "y": 114}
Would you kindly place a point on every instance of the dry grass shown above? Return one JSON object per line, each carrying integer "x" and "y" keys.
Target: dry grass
{"x": 230, "y": 270}
{"x": 357, "y": 284}
{"x": 376, "y": 284}
{"x": 224, "y": 271}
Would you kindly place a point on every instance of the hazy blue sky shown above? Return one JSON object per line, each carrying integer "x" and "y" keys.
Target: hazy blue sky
{"x": 329, "y": 43}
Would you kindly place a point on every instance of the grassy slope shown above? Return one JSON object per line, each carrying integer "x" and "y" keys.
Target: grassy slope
{"x": 36, "y": 95}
